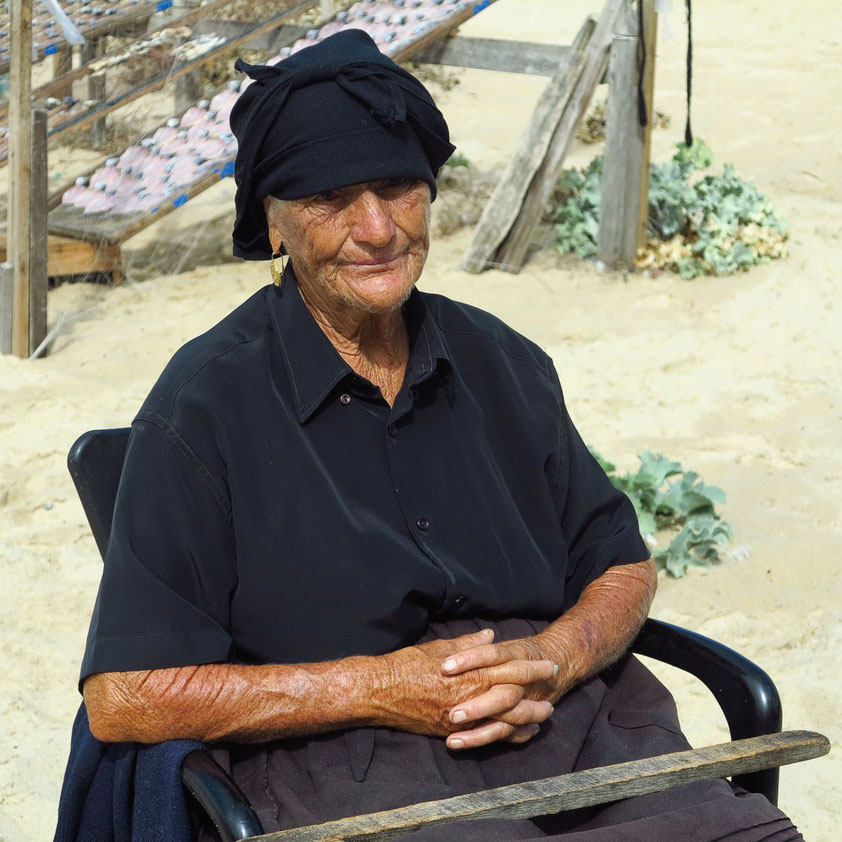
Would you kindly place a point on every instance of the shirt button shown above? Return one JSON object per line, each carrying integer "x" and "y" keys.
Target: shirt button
{"x": 423, "y": 524}
{"x": 346, "y": 399}
{"x": 393, "y": 430}
{"x": 459, "y": 601}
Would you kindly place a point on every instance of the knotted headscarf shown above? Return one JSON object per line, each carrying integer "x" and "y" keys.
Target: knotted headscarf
{"x": 334, "y": 114}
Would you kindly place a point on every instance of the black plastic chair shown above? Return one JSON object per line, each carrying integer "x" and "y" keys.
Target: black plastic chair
{"x": 745, "y": 693}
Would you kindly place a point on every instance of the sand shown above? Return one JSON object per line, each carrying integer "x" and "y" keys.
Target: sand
{"x": 735, "y": 377}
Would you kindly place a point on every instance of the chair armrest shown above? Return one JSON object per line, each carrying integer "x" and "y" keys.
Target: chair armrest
{"x": 746, "y": 694}
{"x": 220, "y": 797}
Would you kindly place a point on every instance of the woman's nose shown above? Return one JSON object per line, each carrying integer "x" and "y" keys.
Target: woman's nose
{"x": 372, "y": 220}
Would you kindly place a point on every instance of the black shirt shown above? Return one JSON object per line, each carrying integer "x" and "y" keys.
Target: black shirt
{"x": 274, "y": 508}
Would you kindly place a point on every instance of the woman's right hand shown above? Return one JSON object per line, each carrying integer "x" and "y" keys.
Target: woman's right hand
{"x": 411, "y": 693}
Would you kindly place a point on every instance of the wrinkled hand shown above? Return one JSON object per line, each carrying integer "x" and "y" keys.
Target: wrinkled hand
{"x": 503, "y": 706}
{"x": 416, "y": 694}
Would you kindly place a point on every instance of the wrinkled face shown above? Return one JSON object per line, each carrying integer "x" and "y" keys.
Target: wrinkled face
{"x": 361, "y": 247}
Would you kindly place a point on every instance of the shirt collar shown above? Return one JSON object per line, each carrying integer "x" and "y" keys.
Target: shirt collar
{"x": 314, "y": 366}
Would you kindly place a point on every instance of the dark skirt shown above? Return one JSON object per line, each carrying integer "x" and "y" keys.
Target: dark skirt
{"x": 623, "y": 714}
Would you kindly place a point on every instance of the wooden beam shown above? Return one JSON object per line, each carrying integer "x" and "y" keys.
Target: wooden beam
{"x": 63, "y": 63}
{"x": 38, "y": 231}
{"x": 68, "y": 256}
{"x": 620, "y": 203}
{"x": 511, "y": 254}
{"x": 495, "y": 54}
{"x": 504, "y": 205}
{"x": 650, "y": 41}
{"x": 574, "y": 790}
{"x": 20, "y": 136}
{"x": 92, "y": 50}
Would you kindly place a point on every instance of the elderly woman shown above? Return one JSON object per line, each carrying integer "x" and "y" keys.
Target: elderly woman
{"x": 358, "y": 544}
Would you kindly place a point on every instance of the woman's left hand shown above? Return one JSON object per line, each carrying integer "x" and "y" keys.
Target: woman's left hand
{"x": 483, "y": 713}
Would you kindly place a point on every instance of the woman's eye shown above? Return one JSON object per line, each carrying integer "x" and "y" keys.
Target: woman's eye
{"x": 328, "y": 196}
{"x": 395, "y": 186}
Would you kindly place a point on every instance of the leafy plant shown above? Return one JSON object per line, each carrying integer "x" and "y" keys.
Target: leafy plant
{"x": 457, "y": 159}
{"x": 666, "y": 497}
{"x": 698, "y": 225}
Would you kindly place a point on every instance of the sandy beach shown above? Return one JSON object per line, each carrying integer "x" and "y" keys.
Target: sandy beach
{"x": 735, "y": 377}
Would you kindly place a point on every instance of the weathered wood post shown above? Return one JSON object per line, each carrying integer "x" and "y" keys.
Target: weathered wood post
{"x": 63, "y": 63}
{"x": 38, "y": 244}
{"x": 20, "y": 167}
{"x": 621, "y": 173}
{"x": 92, "y": 49}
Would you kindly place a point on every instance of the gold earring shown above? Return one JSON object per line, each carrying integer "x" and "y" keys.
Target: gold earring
{"x": 276, "y": 275}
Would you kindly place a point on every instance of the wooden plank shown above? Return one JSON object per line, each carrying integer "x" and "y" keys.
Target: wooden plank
{"x": 574, "y": 790}
{"x": 92, "y": 50}
{"x": 495, "y": 54}
{"x": 620, "y": 205}
{"x": 67, "y": 256}
{"x": 503, "y": 206}
{"x": 38, "y": 231}
{"x": 512, "y": 253}
{"x": 7, "y": 283}
{"x": 62, "y": 63}
{"x": 650, "y": 41}
{"x": 20, "y": 135}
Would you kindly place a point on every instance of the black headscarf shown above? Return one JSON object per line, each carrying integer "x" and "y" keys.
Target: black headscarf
{"x": 337, "y": 113}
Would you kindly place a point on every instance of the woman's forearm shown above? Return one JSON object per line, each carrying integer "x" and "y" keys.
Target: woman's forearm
{"x": 599, "y": 628}
{"x": 225, "y": 701}
{"x": 406, "y": 689}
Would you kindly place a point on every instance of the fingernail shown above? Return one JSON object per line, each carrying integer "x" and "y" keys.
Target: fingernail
{"x": 458, "y": 716}
{"x": 555, "y": 670}
{"x": 449, "y": 665}
{"x": 456, "y": 744}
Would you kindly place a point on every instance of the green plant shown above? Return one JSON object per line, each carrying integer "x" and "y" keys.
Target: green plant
{"x": 708, "y": 225}
{"x": 666, "y": 497}
{"x": 457, "y": 160}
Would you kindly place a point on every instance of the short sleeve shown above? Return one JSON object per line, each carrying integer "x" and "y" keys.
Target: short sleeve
{"x": 598, "y": 521}
{"x": 170, "y": 566}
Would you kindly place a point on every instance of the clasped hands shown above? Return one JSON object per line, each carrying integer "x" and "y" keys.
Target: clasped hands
{"x": 471, "y": 690}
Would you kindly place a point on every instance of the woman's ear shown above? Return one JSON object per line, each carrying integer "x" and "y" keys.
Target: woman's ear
{"x": 275, "y": 236}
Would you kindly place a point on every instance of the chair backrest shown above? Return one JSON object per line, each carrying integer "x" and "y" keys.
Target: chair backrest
{"x": 95, "y": 463}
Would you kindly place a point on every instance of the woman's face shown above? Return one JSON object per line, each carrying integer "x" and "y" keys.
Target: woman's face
{"x": 361, "y": 247}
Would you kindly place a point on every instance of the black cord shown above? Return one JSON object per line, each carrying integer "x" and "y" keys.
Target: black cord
{"x": 688, "y": 132}
{"x": 641, "y": 96}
